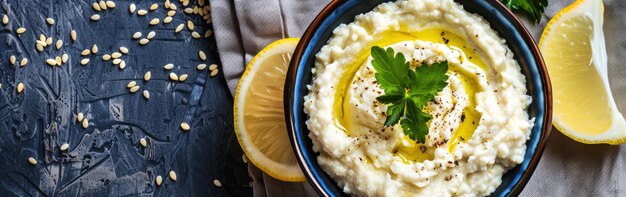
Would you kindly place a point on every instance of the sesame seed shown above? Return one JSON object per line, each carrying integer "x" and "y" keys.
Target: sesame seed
{"x": 202, "y": 55}
{"x": 173, "y": 7}
{"x": 106, "y": 57}
{"x": 95, "y": 17}
{"x": 208, "y": 33}
{"x": 167, "y": 4}
{"x": 168, "y": 66}
{"x": 154, "y": 6}
{"x": 137, "y": 35}
{"x": 146, "y": 94}
{"x": 217, "y": 183}
{"x": 117, "y": 61}
{"x": 151, "y": 35}
{"x": 188, "y": 10}
{"x": 73, "y": 35}
{"x": 185, "y": 2}
{"x": 12, "y": 59}
{"x": 84, "y": 61}
{"x": 201, "y": 2}
{"x": 20, "y": 30}
{"x": 51, "y": 62}
{"x": 23, "y": 62}
{"x": 80, "y": 116}
{"x": 182, "y": 77}
{"x": 195, "y": 9}
{"x": 5, "y": 19}
{"x": 131, "y": 84}
{"x": 143, "y": 142}
{"x": 65, "y": 57}
{"x": 85, "y": 52}
{"x": 185, "y": 126}
{"x": 42, "y": 37}
{"x": 124, "y": 50}
{"x": 179, "y": 28}
{"x": 85, "y": 123}
{"x": 244, "y": 158}
{"x": 134, "y": 89}
{"x": 171, "y": 13}
{"x": 103, "y": 5}
{"x": 195, "y": 35}
{"x": 50, "y": 21}
{"x": 122, "y": 65}
{"x": 173, "y": 77}
{"x": 59, "y": 44}
{"x": 144, "y": 41}
{"x": 173, "y": 175}
{"x": 147, "y": 76}
{"x": 201, "y": 67}
{"x": 159, "y": 179}
{"x": 213, "y": 67}
{"x": 94, "y": 49}
{"x": 110, "y": 4}
{"x": 190, "y": 25}
{"x": 142, "y": 12}
{"x": 39, "y": 47}
{"x": 155, "y": 21}
{"x": 96, "y": 6}
{"x": 167, "y": 20}
{"x": 32, "y": 161}
{"x": 214, "y": 72}
{"x": 58, "y": 60}
{"x": 20, "y": 87}
{"x": 64, "y": 147}
{"x": 132, "y": 8}
{"x": 42, "y": 43}
{"x": 49, "y": 41}
{"x": 116, "y": 55}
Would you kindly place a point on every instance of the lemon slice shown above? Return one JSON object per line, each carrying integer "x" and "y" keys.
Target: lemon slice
{"x": 573, "y": 48}
{"x": 259, "y": 118}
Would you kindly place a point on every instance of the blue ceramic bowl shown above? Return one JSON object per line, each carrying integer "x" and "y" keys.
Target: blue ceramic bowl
{"x": 344, "y": 11}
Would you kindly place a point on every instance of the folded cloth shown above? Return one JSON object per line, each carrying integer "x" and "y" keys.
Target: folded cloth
{"x": 567, "y": 168}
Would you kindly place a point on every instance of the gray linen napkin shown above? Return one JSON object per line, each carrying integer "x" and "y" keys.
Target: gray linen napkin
{"x": 567, "y": 168}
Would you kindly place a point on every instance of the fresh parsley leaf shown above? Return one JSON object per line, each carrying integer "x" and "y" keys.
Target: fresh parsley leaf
{"x": 533, "y": 7}
{"x": 407, "y": 91}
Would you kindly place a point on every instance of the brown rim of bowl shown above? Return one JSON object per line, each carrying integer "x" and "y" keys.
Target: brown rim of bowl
{"x": 545, "y": 79}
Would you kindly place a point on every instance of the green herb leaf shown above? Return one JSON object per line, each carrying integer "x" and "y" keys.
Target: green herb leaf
{"x": 533, "y": 7}
{"x": 407, "y": 91}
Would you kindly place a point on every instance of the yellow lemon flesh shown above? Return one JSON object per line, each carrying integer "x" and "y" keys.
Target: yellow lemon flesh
{"x": 573, "y": 48}
{"x": 259, "y": 118}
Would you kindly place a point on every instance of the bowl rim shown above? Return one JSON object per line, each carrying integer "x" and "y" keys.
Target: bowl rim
{"x": 332, "y": 6}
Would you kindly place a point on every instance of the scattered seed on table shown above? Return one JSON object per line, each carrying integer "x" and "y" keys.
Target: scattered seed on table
{"x": 183, "y": 77}
{"x": 50, "y": 21}
{"x": 80, "y": 116}
{"x": 132, "y": 8}
{"x": 208, "y": 33}
{"x": 20, "y": 87}
{"x": 124, "y": 50}
{"x": 137, "y": 35}
{"x": 201, "y": 67}
{"x": 110, "y": 4}
{"x": 201, "y": 2}
{"x": 73, "y": 35}
{"x": 179, "y": 28}
{"x": 151, "y": 35}
{"x": 65, "y": 57}
{"x": 64, "y": 147}
{"x": 155, "y": 21}
{"x": 142, "y": 12}
{"x": 116, "y": 55}
{"x": 154, "y": 6}
{"x": 122, "y": 65}
{"x": 106, "y": 57}
{"x": 195, "y": 35}
{"x": 185, "y": 126}
{"x": 167, "y": 20}
{"x": 188, "y": 10}
{"x": 173, "y": 77}
{"x": 85, "y": 123}
{"x": 58, "y": 60}
{"x": 42, "y": 37}
{"x": 173, "y": 175}
{"x": 42, "y": 43}
{"x": 146, "y": 94}
{"x": 171, "y": 13}
{"x": 32, "y": 161}
{"x": 190, "y": 25}
{"x": 213, "y": 67}
{"x": 131, "y": 84}
{"x": 5, "y": 19}
{"x": 94, "y": 49}
{"x": 168, "y": 66}
{"x": 173, "y": 7}
{"x": 244, "y": 158}
{"x": 214, "y": 72}
{"x": 85, "y": 52}
{"x": 117, "y": 61}
{"x": 39, "y": 47}
{"x": 59, "y": 44}
{"x": 217, "y": 183}
{"x": 144, "y": 41}
{"x": 12, "y": 59}
{"x": 49, "y": 41}
{"x": 84, "y": 61}
{"x": 20, "y": 30}
{"x": 23, "y": 62}
{"x": 143, "y": 142}
{"x": 147, "y": 76}
{"x": 96, "y": 6}
{"x": 51, "y": 62}
{"x": 95, "y": 17}
{"x": 167, "y": 4}
{"x": 202, "y": 55}
{"x": 185, "y": 2}
{"x": 103, "y": 5}
{"x": 134, "y": 89}
{"x": 158, "y": 180}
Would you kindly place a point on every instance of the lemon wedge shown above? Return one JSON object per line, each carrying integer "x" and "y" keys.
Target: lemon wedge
{"x": 573, "y": 47}
{"x": 259, "y": 118}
